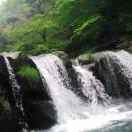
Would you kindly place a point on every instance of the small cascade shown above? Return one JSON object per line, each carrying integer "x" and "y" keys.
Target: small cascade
{"x": 91, "y": 87}
{"x": 16, "y": 91}
{"x": 125, "y": 62}
{"x": 114, "y": 69}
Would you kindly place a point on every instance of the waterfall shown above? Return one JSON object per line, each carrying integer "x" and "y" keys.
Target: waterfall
{"x": 67, "y": 104}
{"x": 75, "y": 114}
{"x": 98, "y": 110}
{"x": 91, "y": 87}
{"x": 16, "y": 91}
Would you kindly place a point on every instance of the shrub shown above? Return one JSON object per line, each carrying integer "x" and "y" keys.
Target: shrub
{"x": 29, "y": 72}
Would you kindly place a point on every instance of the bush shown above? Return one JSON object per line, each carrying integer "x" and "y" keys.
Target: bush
{"x": 29, "y": 72}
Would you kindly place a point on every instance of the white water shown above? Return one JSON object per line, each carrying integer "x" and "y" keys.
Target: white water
{"x": 67, "y": 104}
{"x": 92, "y": 88}
{"x": 16, "y": 94}
{"x": 125, "y": 61}
{"x": 104, "y": 119}
{"x": 73, "y": 114}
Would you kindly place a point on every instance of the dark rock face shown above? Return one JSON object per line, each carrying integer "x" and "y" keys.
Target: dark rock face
{"x": 115, "y": 71}
{"x": 38, "y": 107}
{"x": 73, "y": 78}
{"x": 8, "y": 121}
{"x": 41, "y": 114}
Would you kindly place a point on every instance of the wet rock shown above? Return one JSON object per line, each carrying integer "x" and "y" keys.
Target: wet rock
{"x": 114, "y": 69}
{"x": 40, "y": 114}
{"x": 61, "y": 54}
{"x": 10, "y": 54}
{"x": 8, "y": 120}
{"x": 85, "y": 59}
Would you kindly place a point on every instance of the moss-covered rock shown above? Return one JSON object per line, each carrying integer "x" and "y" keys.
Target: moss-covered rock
{"x": 85, "y": 58}
{"x": 29, "y": 72}
{"x": 37, "y": 103}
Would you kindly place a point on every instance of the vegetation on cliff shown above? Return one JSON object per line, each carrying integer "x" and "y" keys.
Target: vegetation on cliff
{"x": 75, "y": 26}
{"x": 29, "y": 72}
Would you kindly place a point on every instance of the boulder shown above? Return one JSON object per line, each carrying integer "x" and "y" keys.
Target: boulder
{"x": 85, "y": 59}
{"x": 62, "y": 55}
{"x": 38, "y": 107}
{"x": 114, "y": 69}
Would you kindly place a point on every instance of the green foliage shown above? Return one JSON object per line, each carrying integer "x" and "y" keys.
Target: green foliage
{"x": 75, "y": 26}
{"x": 86, "y": 23}
{"x": 69, "y": 22}
{"x": 35, "y": 36}
{"x": 29, "y": 72}
{"x": 73, "y": 12}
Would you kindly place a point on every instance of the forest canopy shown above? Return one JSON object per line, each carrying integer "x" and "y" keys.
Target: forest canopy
{"x": 75, "y": 26}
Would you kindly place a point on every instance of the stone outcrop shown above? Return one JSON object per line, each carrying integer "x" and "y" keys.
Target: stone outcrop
{"x": 114, "y": 69}
{"x": 38, "y": 107}
{"x": 85, "y": 59}
{"x": 8, "y": 121}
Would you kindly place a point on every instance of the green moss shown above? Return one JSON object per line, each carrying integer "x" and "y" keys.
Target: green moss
{"x": 4, "y": 105}
{"x": 29, "y": 72}
{"x": 86, "y": 58}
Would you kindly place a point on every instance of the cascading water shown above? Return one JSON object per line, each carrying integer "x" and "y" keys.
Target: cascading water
{"x": 67, "y": 104}
{"x": 16, "y": 90}
{"x": 74, "y": 114}
{"x": 115, "y": 71}
{"x": 91, "y": 88}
